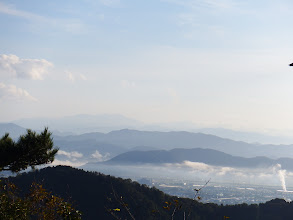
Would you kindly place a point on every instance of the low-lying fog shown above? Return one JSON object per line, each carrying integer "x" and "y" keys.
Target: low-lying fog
{"x": 192, "y": 171}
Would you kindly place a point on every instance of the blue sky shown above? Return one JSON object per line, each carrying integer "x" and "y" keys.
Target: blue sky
{"x": 216, "y": 63}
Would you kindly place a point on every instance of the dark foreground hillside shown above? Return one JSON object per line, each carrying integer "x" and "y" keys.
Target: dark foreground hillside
{"x": 95, "y": 194}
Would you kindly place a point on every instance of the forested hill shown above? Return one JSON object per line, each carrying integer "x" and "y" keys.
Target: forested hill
{"x": 96, "y": 194}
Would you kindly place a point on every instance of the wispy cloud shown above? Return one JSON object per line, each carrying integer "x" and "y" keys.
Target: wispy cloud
{"x": 195, "y": 4}
{"x": 73, "y": 77}
{"x": 10, "y": 10}
{"x": 75, "y": 26}
{"x": 82, "y": 77}
{"x": 173, "y": 94}
{"x": 11, "y": 92}
{"x": 208, "y": 168}
{"x": 73, "y": 154}
{"x": 110, "y": 2}
{"x": 127, "y": 84}
{"x": 67, "y": 163}
{"x": 264, "y": 175}
{"x": 99, "y": 157}
{"x": 70, "y": 76}
{"x": 188, "y": 19}
{"x": 202, "y": 19}
{"x": 224, "y": 4}
{"x": 11, "y": 66}
{"x": 74, "y": 159}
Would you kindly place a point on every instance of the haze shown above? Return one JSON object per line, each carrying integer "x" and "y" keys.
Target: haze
{"x": 215, "y": 63}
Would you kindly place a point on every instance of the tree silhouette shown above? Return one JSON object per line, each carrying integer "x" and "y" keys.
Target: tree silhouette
{"x": 30, "y": 150}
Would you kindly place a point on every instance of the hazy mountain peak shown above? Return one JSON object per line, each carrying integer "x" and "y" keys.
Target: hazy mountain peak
{"x": 11, "y": 128}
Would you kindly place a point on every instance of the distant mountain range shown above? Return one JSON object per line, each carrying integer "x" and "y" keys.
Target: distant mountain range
{"x": 120, "y": 141}
{"x": 133, "y": 139}
{"x": 80, "y": 124}
{"x": 207, "y": 156}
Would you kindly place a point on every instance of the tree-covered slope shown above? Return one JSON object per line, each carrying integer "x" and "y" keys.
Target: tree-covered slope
{"x": 98, "y": 195}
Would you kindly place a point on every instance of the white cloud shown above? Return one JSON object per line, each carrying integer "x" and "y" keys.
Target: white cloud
{"x": 73, "y": 77}
{"x": 127, "y": 84}
{"x": 11, "y": 92}
{"x": 73, "y": 159}
{"x": 196, "y": 165}
{"x": 67, "y": 163}
{"x": 97, "y": 155}
{"x": 173, "y": 94}
{"x": 82, "y": 77}
{"x": 225, "y": 170}
{"x": 274, "y": 175}
{"x": 12, "y": 66}
{"x": 214, "y": 170}
{"x": 70, "y": 76}
{"x": 73, "y": 154}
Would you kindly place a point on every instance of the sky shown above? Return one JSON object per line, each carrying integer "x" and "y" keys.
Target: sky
{"x": 215, "y": 63}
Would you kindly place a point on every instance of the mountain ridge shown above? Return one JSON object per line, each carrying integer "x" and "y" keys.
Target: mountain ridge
{"x": 129, "y": 139}
{"x": 199, "y": 155}
{"x": 84, "y": 123}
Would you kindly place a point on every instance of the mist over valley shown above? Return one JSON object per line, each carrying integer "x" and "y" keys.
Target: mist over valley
{"x": 168, "y": 159}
